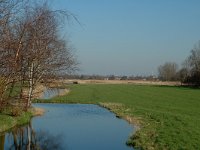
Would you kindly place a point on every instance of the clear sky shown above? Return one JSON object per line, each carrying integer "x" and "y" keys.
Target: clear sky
{"x": 131, "y": 37}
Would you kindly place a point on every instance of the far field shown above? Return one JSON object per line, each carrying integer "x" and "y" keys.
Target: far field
{"x": 168, "y": 116}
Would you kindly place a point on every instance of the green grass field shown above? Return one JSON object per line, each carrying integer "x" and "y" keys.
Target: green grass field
{"x": 170, "y": 115}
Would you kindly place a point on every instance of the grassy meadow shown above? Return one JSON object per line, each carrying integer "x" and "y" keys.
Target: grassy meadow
{"x": 168, "y": 116}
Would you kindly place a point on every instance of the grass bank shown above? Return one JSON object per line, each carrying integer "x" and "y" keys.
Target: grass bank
{"x": 7, "y": 121}
{"x": 168, "y": 116}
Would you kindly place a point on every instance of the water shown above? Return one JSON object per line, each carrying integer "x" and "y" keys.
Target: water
{"x": 70, "y": 127}
{"x": 52, "y": 92}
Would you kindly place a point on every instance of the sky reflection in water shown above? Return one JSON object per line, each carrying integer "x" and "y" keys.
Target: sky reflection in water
{"x": 71, "y": 127}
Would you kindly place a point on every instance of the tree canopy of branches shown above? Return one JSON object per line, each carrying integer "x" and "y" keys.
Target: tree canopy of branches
{"x": 31, "y": 48}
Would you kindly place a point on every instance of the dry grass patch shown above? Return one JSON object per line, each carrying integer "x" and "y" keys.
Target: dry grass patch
{"x": 37, "y": 111}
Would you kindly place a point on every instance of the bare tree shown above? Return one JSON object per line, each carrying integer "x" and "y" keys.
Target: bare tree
{"x": 9, "y": 46}
{"x": 168, "y": 71}
{"x": 46, "y": 53}
{"x": 31, "y": 48}
{"x": 193, "y": 62}
{"x": 194, "y": 58}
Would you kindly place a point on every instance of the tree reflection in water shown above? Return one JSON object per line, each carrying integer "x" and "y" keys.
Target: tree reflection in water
{"x": 2, "y": 140}
{"x": 25, "y": 138}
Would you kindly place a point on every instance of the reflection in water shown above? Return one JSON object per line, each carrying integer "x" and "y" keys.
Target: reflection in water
{"x": 2, "y": 141}
{"x": 25, "y": 138}
{"x": 52, "y": 92}
{"x": 70, "y": 126}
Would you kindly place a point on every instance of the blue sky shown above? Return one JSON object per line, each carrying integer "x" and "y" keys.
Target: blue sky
{"x": 131, "y": 37}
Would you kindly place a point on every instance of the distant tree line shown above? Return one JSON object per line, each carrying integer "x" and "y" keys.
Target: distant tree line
{"x": 108, "y": 77}
{"x": 189, "y": 73}
{"x": 31, "y": 49}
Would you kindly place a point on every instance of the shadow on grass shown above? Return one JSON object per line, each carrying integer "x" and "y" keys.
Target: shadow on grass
{"x": 189, "y": 87}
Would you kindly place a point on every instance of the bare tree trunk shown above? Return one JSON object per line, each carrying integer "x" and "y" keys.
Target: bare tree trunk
{"x": 31, "y": 84}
